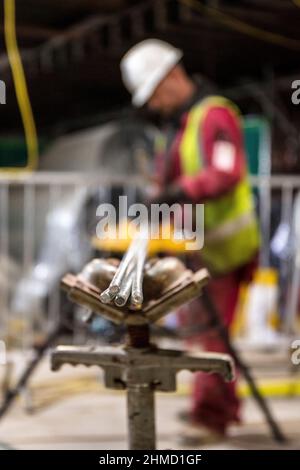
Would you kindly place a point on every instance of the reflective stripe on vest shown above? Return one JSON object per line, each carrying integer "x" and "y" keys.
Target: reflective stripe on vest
{"x": 231, "y": 233}
{"x": 229, "y": 228}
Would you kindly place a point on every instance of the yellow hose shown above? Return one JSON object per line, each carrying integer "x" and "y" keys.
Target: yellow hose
{"x": 20, "y": 88}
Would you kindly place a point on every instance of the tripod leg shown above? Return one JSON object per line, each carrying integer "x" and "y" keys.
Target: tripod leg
{"x": 12, "y": 394}
{"x": 260, "y": 400}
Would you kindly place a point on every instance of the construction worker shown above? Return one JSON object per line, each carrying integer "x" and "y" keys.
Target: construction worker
{"x": 203, "y": 162}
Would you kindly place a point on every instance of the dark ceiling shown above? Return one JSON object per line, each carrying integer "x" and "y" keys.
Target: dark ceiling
{"x": 71, "y": 51}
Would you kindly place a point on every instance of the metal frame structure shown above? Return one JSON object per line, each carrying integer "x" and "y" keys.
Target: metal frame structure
{"x": 139, "y": 366}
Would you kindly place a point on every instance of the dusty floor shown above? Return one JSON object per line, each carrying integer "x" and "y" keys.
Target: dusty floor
{"x": 73, "y": 411}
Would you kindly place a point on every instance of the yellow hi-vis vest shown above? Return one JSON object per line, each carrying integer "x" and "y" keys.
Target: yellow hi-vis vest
{"x": 231, "y": 236}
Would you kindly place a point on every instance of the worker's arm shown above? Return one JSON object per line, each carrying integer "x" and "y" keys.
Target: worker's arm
{"x": 223, "y": 154}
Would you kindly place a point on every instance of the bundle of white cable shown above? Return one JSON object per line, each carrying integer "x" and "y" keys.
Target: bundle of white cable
{"x": 127, "y": 283}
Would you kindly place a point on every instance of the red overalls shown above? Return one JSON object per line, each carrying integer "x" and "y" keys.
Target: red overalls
{"x": 214, "y": 402}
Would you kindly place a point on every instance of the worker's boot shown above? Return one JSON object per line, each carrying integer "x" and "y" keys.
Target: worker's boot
{"x": 195, "y": 434}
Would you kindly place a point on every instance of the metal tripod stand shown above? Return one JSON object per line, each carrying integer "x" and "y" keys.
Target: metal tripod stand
{"x": 139, "y": 367}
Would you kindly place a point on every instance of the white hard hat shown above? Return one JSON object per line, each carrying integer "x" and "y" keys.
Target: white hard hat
{"x": 145, "y": 65}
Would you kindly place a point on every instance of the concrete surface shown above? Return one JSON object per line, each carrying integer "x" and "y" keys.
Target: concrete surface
{"x": 71, "y": 410}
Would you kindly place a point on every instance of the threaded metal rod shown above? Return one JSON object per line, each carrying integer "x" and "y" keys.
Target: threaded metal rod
{"x": 125, "y": 289}
{"x": 115, "y": 284}
{"x": 137, "y": 282}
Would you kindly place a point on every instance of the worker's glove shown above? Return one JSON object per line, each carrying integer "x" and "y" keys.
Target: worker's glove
{"x": 170, "y": 195}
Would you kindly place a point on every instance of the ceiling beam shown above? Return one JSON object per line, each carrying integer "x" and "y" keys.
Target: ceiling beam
{"x": 33, "y": 32}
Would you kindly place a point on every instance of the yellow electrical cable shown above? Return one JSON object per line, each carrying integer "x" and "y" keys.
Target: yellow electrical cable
{"x": 20, "y": 88}
{"x": 243, "y": 27}
{"x": 296, "y": 2}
